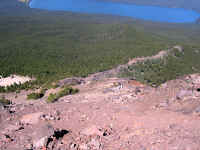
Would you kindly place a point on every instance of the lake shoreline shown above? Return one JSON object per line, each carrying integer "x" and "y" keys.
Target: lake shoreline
{"x": 168, "y": 15}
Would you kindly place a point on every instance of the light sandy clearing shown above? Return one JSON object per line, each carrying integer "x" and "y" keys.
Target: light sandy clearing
{"x": 8, "y": 81}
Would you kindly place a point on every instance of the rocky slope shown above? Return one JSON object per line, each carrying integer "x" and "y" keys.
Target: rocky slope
{"x": 107, "y": 114}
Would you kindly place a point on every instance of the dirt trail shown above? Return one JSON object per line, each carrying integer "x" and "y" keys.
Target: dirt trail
{"x": 115, "y": 71}
{"x": 161, "y": 54}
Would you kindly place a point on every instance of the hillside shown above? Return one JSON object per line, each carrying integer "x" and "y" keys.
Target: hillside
{"x": 55, "y": 45}
{"x": 101, "y": 82}
{"x": 106, "y": 114}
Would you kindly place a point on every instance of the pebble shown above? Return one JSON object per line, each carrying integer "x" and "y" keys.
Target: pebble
{"x": 83, "y": 146}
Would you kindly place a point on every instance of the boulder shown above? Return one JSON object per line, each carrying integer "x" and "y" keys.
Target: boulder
{"x": 70, "y": 81}
{"x": 197, "y": 110}
{"x": 184, "y": 93}
{"x": 179, "y": 48}
{"x": 83, "y": 146}
{"x": 41, "y": 135}
{"x": 95, "y": 144}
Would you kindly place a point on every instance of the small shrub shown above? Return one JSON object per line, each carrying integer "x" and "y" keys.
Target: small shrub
{"x": 35, "y": 96}
{"x": 66, "y": 91}
{"x": 2, "y": 89}
{"x": 18, "y": 91}
{"x": 74, "y": 91}
{"x": 43, "y": 90}
{"x": 4, "y": 101}
{"x": 55, "y": 85}
{"x": 52, "y": 98}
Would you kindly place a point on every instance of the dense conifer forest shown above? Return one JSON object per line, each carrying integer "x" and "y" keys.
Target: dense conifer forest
{"x": 54, "y": 45}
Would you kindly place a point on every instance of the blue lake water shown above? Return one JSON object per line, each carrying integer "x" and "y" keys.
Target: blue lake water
{"x": 152, "y": 13}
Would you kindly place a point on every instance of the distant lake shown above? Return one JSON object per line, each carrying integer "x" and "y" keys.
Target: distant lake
{"x": 152, "y": 13}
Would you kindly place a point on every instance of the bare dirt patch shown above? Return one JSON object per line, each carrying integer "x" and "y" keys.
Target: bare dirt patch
{"x": 14, "y": 79}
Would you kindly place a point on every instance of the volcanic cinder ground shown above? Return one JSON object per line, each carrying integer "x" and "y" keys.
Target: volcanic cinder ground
{"x": 107, "y": 114}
